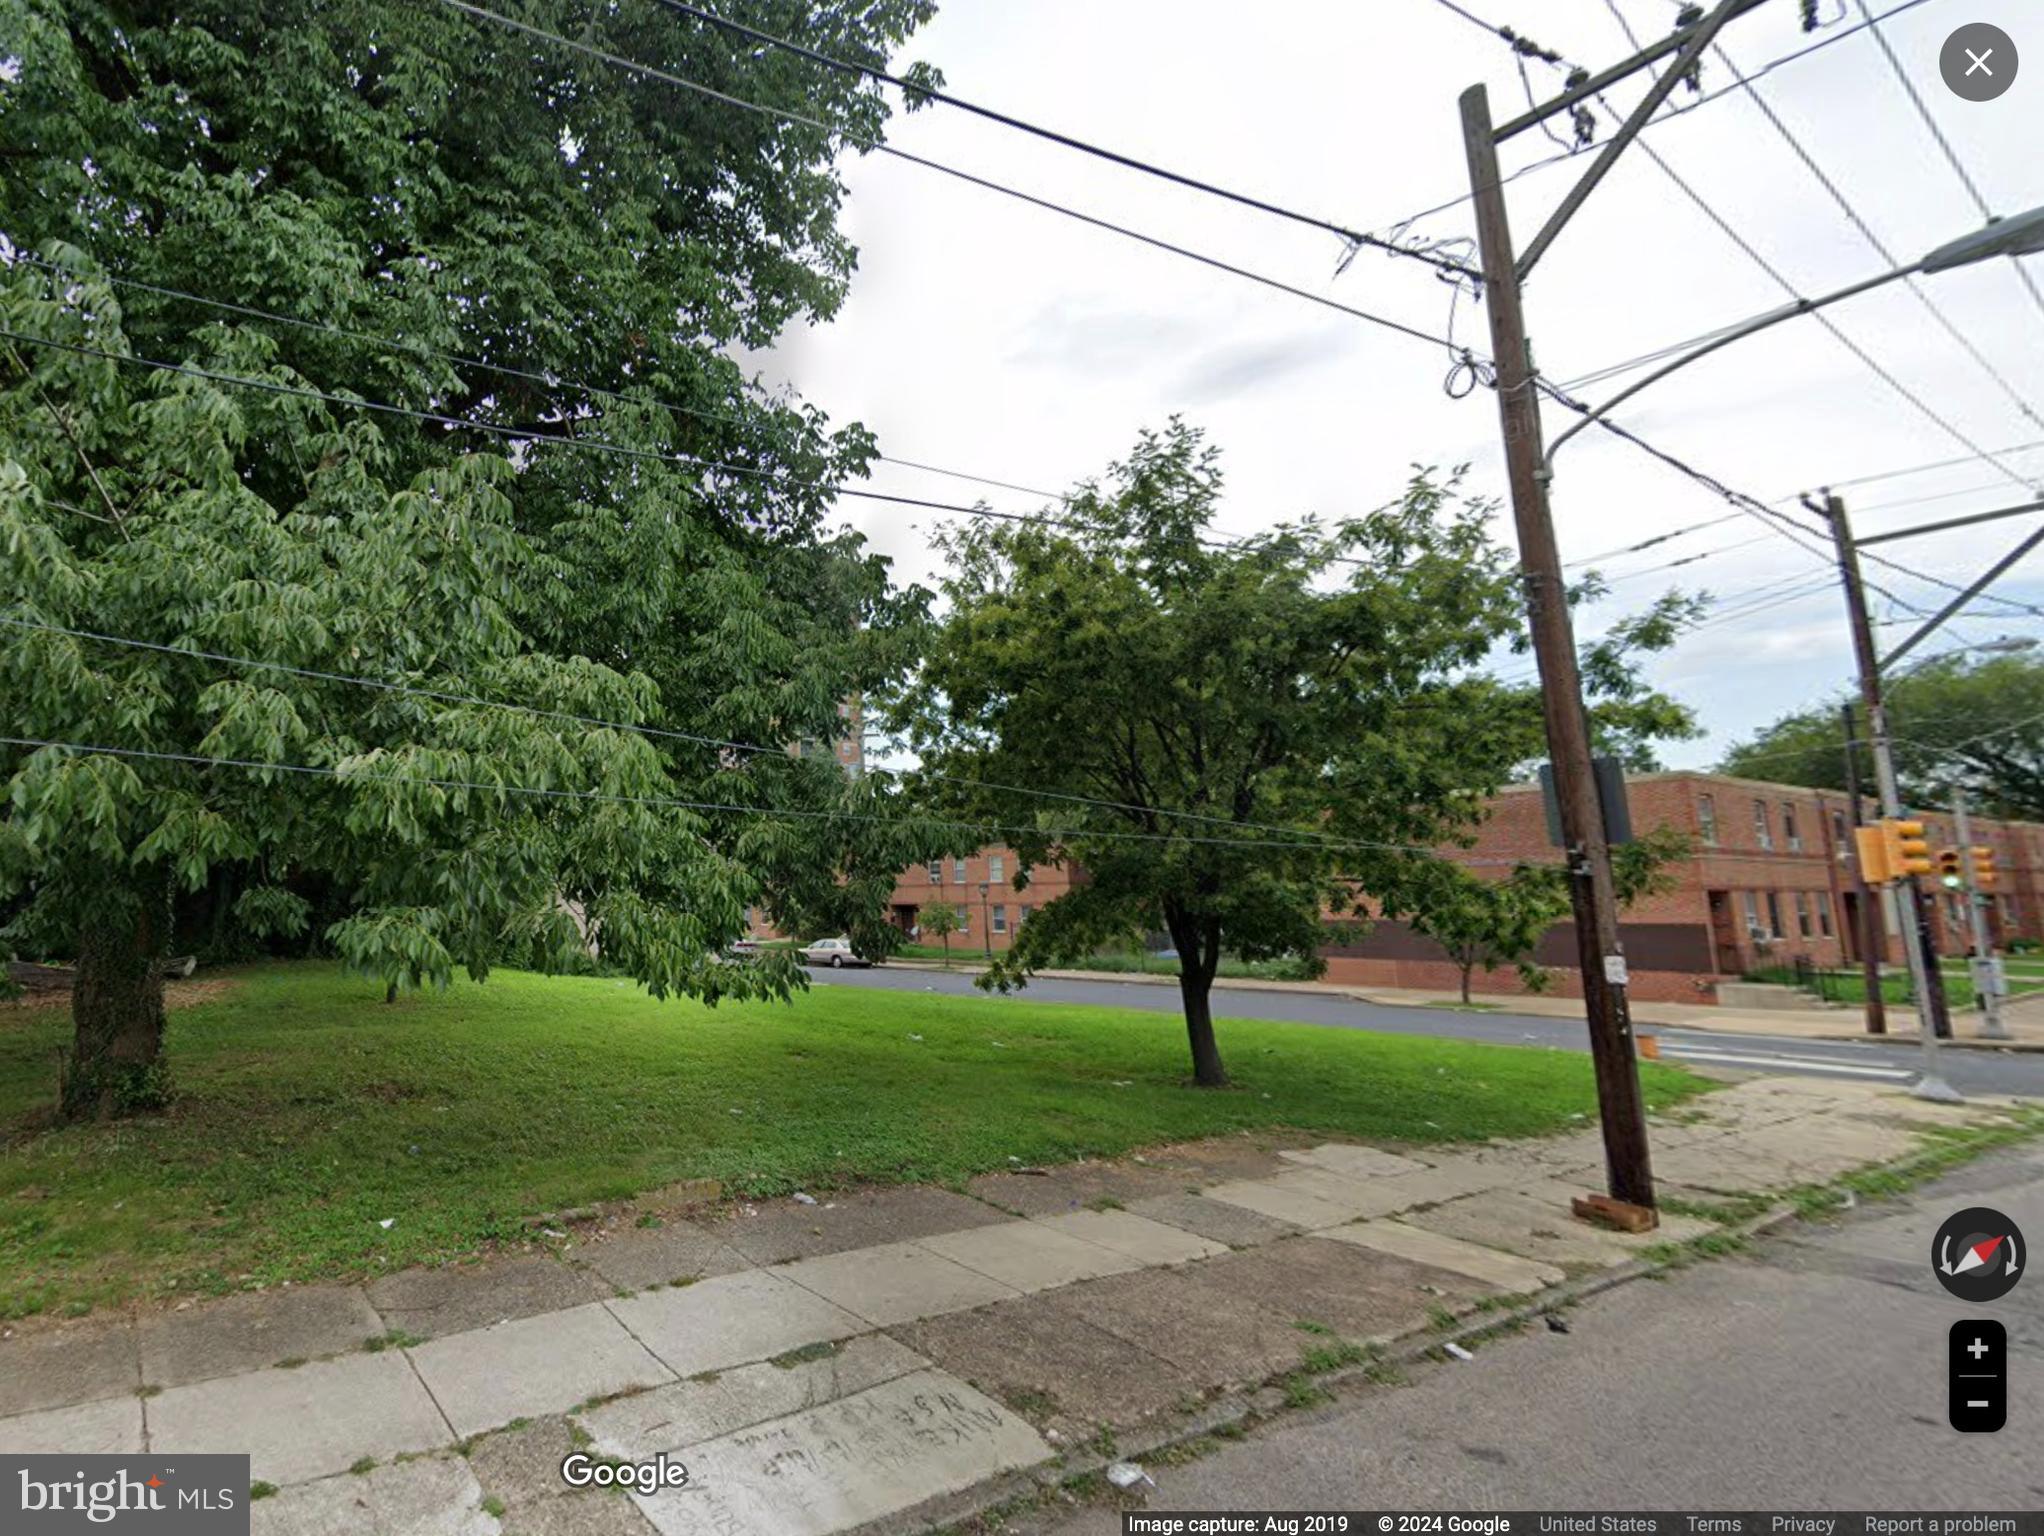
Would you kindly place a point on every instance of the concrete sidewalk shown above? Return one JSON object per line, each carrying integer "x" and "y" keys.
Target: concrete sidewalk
{"x": 898, "y": 1356}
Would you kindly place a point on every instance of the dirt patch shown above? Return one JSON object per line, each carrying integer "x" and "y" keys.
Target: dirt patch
{"x": 176, "y": 995}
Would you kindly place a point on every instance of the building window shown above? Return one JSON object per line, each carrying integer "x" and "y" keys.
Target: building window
{"x": 1707, "y": 818}
{"x": 1763, "y": 834}
{"x": 1803, "y": 914}
{"x": 1773, "y": 915}
{"x": 958, "y": 870}
{"x": 1790, "y": 833}
{"x": 995, "y": 867}
{"x": 1022, "y": 914}
{"x": 964, "y": 919}
{"x": 1824, "y": 913}
{"x": 1752, "y": 906}
{"x": 1000, "y": 919}
{"x": 936, "y": 871}
{"x": 1838, "y": 836}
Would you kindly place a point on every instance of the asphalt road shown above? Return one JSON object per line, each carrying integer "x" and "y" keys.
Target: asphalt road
{"x": 1970, "y": 1071}
{"x": 1808, "y": 1375}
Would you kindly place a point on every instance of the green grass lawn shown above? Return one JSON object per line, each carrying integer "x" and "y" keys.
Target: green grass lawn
{"x": 1849, "y": 986}
{"x": 309, "y": 1112}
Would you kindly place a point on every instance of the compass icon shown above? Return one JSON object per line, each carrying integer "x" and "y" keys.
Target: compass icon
{"x": 1978, "y": 1254}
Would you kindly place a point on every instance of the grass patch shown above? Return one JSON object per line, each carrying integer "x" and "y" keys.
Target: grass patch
{"x": 397, "y": 1338}
{"x": 362, "y": 1465}
{"x": 1322, "y": 1358}
{"x": 1302, "y": 1391}
{"x": 301, "y": 1094}
{"x": 1031, "y": 1403}
{"x": 804, "y": 1354}
{"x": 493, "y": 1506}
{"x": 261, "y": 1490}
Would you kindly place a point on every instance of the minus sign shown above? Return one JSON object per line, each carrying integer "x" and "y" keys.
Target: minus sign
{"x": 1976, "y": 1402}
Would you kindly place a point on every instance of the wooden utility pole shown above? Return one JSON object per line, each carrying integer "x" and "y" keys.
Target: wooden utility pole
{"x": 1872, "y": 931}
{"x": 1916, "y": 948}
{"x": 1600, "y": 955}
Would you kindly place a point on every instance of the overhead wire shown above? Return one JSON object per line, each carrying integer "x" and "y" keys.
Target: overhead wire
{"x": 503, "y": 370}
{"x": 721, "y": 744}
{"x": 916, "y": 90}
{"x": 880, "y": 146}
{"x": 1944, "y": 144}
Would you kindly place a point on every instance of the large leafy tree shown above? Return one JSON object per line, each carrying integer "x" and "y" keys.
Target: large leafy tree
{"x": 1973, "y": 723}
{"x": 592, "y": 525}
{"x": 1247, "y": 736}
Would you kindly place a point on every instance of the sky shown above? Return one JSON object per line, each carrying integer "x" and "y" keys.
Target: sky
{"x": 991, "y": 337}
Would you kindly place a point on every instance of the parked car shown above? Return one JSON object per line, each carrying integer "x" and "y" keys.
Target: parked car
{"x": 835, "y": 953}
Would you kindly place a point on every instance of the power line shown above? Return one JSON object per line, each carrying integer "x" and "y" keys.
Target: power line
{"x": 444, "y": 696}
{"x": 1915, "y": 469}
{"x": 1880, "y": 247}
{"x": 600, "y": 445}
{"x": 916, "y": 91}
{"x": 1951, "y": 155}
{"x": 878, "y": 146}
{"x": 1657, "y": 539}
{"x": 418, "y": 349}
{"x": 669, "y": 802}
{"x": 1667, "y": 115}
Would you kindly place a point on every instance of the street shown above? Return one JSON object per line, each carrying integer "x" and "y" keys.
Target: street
{"x": 1968, "y": 1070}
{"x": 1808, "y": 1375}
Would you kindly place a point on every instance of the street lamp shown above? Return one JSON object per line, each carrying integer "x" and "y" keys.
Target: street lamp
{"x": 2021, "y": 235}
{"x": 986, "y": 934}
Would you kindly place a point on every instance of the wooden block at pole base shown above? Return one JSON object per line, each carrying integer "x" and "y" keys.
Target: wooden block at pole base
{"x": 1605, "y": 1211}
{"x": 1649, "y": 1046}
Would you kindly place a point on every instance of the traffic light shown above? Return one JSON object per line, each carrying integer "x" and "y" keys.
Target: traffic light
{"x": 1950, "y": 876}
{"x": 1983, "y": 867}
{"x": 1873, "y": 855}
{"x": 1907, "y": 853}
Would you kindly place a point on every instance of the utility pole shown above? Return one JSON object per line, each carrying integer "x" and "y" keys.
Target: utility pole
{"x": 1601, "y": 957}
{"x": 1982, "y": 965}
{"x": 1922, "y": 967}
{"x": 1872, "y": 931}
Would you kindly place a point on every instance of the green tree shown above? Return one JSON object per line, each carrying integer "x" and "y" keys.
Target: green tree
{"x": 1957, "y": 723}
{"x": 451, "y": 218}
{"x": 1251, "y": 735}
{"x": 943, "y": 916}
{"x": 1487, "y": 922}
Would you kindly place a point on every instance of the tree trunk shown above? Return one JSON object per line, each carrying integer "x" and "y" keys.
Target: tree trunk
{"x": 116, "y": 1066}
{"x": 390, "y": 992}
{"x": 1467, "y": 967}
{"x": 1199, "y": 953}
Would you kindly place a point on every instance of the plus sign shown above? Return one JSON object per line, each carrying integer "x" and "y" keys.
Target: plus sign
{"x": 1976, "y": 1349}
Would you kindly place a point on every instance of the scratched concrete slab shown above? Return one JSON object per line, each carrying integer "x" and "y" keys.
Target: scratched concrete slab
{"x": 689, "y": 1412}
{"x": 897, "y": 1282}
{"x": 1355, "y": 1161}
{"x": 1507, "y": 1271}
{"x": 846, "y": 1463}
{"x": 1030, "y": 1255}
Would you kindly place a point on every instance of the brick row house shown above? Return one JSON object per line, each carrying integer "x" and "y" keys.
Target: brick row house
{"x": 982, "y": 889}
{"x": 1773, "y": 879}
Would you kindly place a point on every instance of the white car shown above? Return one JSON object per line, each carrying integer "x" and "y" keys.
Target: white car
{"x": 835, "y": 953}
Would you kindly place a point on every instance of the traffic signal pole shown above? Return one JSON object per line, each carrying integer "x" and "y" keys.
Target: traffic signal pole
{"x": 1930, "y": 1084}
{"x": 1982, "y": 965}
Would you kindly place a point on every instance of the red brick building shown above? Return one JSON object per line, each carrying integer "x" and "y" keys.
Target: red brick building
{"x": 1773, "y": 879}
{"x": 982, "y": 889}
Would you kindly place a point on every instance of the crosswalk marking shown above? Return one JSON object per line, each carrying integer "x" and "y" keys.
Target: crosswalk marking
{"x": 1806, "y": 1063}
